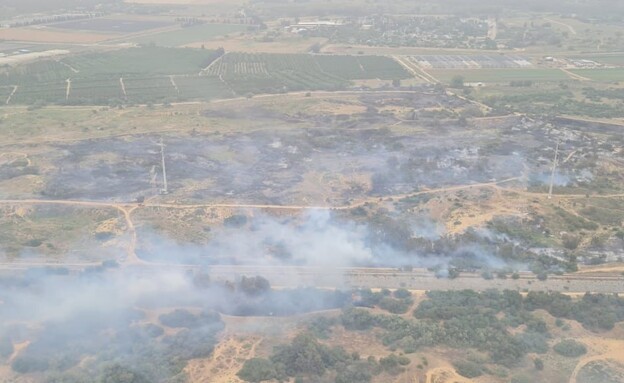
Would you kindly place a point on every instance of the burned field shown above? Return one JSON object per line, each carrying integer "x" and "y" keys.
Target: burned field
{"x": 393, "y": 148}
{"x": 429, "y": 181}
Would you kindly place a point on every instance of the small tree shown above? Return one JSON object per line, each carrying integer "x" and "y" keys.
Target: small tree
{"x": 457, "y": 82}
{"x": 257, "y": 370}
{"x": 539, "y": 364}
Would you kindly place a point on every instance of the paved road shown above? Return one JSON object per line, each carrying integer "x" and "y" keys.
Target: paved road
{"x": 338, "y": 277}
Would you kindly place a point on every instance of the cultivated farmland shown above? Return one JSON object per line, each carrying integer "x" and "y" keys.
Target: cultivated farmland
{"x": 202, "y": 87}
{"x": 147, "y": 60}
{"x": 111, "y": 25}
{"x": 95, "y": 91}
{"x": 500, "y": 75}
{"x": 49, "y": 92}
{"x": 602, "y": 75}
{"x": 159, "y": 74}
{"x": 150, "y": 89}
{"x": 470, "y": 62}
{"x": 265, "y": 72}
{"x": 189, "y": 35}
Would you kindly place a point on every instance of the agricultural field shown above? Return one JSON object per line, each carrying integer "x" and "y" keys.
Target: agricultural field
{"x": 152, "y": 89}
{"x": 47, "y": 92}
{"x": 614, "y": 59}
{"x": 500, "y": 75}
{"x": 142, "y": 61}
{"x": 189, "y": 35}
{"x": 51, "y": 36}
{"x": 95, "y": 91}
{"x": 470, "y": 62}
{"x": 5, "y": 92}
{"x": 97, "y": 78}
{"x": 149, "y": 75}
{"x": 201, "y": 87}
{"x": 36, "y": 72}
{"x": 107, "y": 25}
{"x": 263, "y": 72}
{"x": 601, "y": 75}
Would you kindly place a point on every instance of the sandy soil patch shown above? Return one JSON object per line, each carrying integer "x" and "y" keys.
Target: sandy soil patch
{"x": 16, "y": 59}
{"x": 600, "y": 349}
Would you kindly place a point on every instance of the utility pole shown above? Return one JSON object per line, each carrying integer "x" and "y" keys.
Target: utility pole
{"x": 554, "y": 169}
{"x": 165, "y": 189}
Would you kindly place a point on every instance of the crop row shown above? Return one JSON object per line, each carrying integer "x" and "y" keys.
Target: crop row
{"x": 333, "y": 69}
{"x": 108, "y": 90}
{"x": 156, "y": 74}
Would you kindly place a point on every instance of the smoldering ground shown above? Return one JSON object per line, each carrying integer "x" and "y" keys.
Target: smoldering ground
{"x": 328, "y": 240}
{"x": 260, "y": 166}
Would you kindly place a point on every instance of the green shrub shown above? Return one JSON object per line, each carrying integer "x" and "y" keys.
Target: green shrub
{"x": 570, "y": 348}
{"x": 468, "y": 369}
{"x": 258, "y": 370}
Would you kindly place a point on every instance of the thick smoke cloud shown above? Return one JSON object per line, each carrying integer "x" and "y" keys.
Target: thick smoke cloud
{"x": 327, "y": 240}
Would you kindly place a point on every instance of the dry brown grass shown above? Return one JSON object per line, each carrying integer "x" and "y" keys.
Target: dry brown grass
{"x": 44, "y": 35}
{"x": 227, "y": 359}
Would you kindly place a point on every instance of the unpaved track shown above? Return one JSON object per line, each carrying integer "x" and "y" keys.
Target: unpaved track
{"x": 359, "y": 203}
{"x": 11, "y": 95}
{"x": 123, "y": 87}
{"x": 575, "y": 76}
{"x": 570, "y": 28}
{"x": 173, "y": 83}
{"x": 125, "y": 209}
{"x": 128, "y": 208}
{"x": 368, "y": 277}
{"x": 410, "y": 68}
{"x": 68, "y": 89}
{"x": 206, "y": 69}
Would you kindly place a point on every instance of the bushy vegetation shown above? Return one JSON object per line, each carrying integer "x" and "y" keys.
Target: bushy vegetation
{"x": 398, "y": 305}
{"x": 147, "y": 354}
{"x": 553, "y": 101}
{"x": 595, "y": 311}
{"x": 570, "y": 348}
{"x": 468, "y": 369}
{"x": 306, "y": 357}
{"x": 471, "y": 320}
